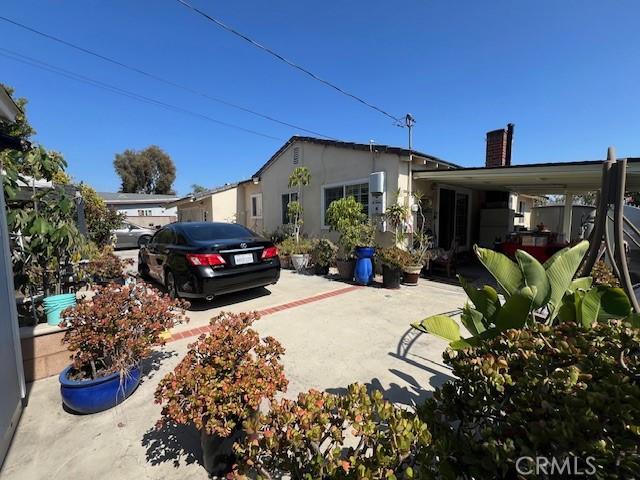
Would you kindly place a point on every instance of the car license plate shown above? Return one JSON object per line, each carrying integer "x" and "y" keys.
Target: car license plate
{"x": 243, "y": 258}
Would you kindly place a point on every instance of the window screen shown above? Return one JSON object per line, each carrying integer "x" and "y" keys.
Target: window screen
{"x": 359, "y": 191}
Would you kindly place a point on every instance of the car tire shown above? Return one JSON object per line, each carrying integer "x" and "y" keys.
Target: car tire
{"x": 143, "y": 240}
{"x": 143, "y": 268}
{"x": 170, "y": 284}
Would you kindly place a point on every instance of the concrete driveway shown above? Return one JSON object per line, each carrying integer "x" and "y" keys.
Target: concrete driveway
{"x": 334, "y": 334}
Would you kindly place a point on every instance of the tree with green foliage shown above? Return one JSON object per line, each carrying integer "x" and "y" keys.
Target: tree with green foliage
{"x": 346, "y": 216}
{"x": 145, "y": 171}
{"x": 47, "y": 238}
{"x": 101, "y": 220}
{"x": 299, "y": 178}
{"x": 195, "y": 188}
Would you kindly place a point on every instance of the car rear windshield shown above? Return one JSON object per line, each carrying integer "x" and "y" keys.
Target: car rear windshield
{"x": 220, "y": 231}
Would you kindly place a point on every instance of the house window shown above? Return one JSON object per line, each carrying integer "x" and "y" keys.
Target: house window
{"x": 358, "y": 190}
{"x": 256, "y": 205}
{"x": 286, "y": 199}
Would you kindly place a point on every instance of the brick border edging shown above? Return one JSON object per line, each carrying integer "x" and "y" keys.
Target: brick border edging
{"x": 268, "y": 311}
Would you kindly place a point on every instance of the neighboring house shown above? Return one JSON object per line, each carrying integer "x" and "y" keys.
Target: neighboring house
{"x": 466, "y": 205}
{"x": 142, "y": 209}
{"x": 239, "y": 202}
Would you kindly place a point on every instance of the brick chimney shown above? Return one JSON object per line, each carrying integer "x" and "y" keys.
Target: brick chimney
{"x": 499, "y": 147}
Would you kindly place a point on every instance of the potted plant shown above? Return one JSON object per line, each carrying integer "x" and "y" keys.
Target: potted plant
{"x": 299, "y": 178}
{"x": 417, "y": 256}
{"x": 356, "y": 435}
{"x": 285, "y": 249}
{"x": 346, "y": 217}
{"x": 393, "y": 260}
{"x": 109, "y": 335}
{"x": 323, "y": 255}
{"x": 397, "y": 214}
{"x": 363, "y": 271}
{"x": 411, "y": 270}
{"x": 420, "y": 242}
{"x": 300, "y": 255}
{"x": 107, "y": 267}
{"x": 220, "y": 383}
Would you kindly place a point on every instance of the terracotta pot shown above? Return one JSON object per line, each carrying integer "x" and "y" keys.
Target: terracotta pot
{"x": 391, "y": 277}
{"x": 346, "y": 268}
{"x": 411, "y": 274}
{"x": 285, "y": 262}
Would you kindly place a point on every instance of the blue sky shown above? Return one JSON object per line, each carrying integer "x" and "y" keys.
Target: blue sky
{"x": 566, "y": 73}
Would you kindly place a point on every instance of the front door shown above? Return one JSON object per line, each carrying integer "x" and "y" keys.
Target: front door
{"x": 453, "y": 218}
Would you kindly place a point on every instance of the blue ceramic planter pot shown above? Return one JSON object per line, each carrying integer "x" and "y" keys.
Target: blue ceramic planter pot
{"x": 92, "y": 396}
{"x": 363, "y": 272}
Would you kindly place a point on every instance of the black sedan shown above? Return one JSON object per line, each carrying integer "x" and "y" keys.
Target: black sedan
{"x": 206, "y": 259}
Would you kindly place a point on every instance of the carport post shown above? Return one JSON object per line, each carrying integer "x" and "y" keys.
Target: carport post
{"x": 566, "y": 216}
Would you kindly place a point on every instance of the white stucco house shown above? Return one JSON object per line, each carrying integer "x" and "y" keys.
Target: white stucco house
{"x": 142, "y": 209}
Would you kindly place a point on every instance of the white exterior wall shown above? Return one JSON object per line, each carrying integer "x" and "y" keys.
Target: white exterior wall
{"x": 328, "y": 165}
{"x": 527, "y": 206}
{"x": 132, "y": 210}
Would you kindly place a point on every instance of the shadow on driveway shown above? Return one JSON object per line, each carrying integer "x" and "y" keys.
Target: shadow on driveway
{"x": 169, "y": 442}
{"x": 198, "y": 305}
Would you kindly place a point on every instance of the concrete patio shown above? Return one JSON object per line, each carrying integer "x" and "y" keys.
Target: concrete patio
{"x": 334, "y": 334}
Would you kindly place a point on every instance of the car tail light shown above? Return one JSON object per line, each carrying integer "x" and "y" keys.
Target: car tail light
{"x": 204, "y": 259}
{"x": 269, "y": 252}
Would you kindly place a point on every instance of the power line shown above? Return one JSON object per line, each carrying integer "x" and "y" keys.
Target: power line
{"x": 161, "y": 79}
{"x": 18, "y": 57}
{"x": 288, "y": 62}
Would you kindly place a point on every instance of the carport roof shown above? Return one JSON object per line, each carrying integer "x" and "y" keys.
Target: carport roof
{"x": 539, "y": 178}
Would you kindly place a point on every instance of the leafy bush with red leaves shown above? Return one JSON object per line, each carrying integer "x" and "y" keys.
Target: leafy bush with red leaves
{"x": 224, "y": 377}
{"x": 353, "y": 436}
{"x": 107, "y": 265}
{"x": 117, "y": 328}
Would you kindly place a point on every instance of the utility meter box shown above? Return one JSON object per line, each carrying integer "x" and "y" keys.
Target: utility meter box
{"x": 377, "y": 193}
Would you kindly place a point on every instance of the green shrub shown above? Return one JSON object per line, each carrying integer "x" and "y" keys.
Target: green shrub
{"x": 559, "y": 391}
{"x": 280, "y": 234}
{"x": 353, "y": 436}
{"x": 287, "y": 246}
{"x": 346, "y": 216}
{"x": 394, "y": 257}
{"x": 323, "y": 252}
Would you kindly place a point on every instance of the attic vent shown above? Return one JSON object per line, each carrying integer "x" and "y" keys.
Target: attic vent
{"x": 296, "y": 155}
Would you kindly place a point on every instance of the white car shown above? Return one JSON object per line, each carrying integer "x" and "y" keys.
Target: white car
{"x": 129, "y": 235}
